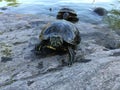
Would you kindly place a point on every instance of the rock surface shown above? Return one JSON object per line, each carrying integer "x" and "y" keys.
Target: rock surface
{"x": 21, "y": 69}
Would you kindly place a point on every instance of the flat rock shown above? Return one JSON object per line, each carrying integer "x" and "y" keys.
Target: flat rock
{"x": 26, "y": 71}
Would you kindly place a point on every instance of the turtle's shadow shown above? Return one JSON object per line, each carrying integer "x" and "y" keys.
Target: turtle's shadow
{"x": 46, "y": 52}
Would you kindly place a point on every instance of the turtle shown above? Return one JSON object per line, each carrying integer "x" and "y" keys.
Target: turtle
{"x": 60, "y": 36}
{"x": 67, "y": 14}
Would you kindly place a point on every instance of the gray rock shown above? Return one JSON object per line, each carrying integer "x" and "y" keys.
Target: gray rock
{"x": 27, "y": 71}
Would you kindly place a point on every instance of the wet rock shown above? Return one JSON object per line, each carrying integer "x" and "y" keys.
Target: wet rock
{"x": 3, "y": 8}
{"x": 100, "y": 11}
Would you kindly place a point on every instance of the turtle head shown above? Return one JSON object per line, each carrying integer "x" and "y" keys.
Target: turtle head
{"x": 65, "y": 15}
{"x": 56, "y": 41}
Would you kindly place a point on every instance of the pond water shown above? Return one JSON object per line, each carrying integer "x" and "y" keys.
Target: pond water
{"x": 83, "y": 8}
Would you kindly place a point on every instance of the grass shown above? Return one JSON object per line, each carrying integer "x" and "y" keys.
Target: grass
{"x": 5, "y": 49}
{"x": 1, "y": 33}
{"x": 113, "y": 19}
{"x": 6, "y": 52}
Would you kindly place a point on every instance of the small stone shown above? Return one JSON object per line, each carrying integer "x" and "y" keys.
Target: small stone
{"x": 100, "y": 11}
{"x": 29, "y": 83}
{"x": 3, "y": 8}
{"x": 50, "y": 9}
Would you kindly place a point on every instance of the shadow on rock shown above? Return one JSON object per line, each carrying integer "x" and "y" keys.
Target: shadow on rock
{"x": 6, "y": 59}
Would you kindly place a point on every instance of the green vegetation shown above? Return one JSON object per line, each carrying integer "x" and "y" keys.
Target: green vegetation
{"x": 113, "y": 17}
{"x": 5, "y": 49}
{"x": 1, "y": 32}
{"x": 8, "y": 0}
{"x": 13, "y": 3}
{"x": 6, "y": 52}
{"x": 1, "y": 12}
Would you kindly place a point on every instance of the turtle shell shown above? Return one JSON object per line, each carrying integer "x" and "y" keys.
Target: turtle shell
{"x": 72, "y": 14}
{"x": 68, "y": 31}
{"x": 71, "y": 11}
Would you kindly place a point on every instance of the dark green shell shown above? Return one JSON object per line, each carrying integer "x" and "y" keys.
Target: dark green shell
{"x": 71, "y": 11}
{"x": 65, "y": 29}
{"x": 72, "y": 17}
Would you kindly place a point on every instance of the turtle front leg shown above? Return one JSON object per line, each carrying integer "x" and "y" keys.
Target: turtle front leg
{"x": 71, "y": 56}
{"x": 44, "y": 49}
{"x": 38, "y": 48}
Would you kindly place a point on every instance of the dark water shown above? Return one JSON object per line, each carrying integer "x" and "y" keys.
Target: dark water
{"x": 84, "y": 8}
